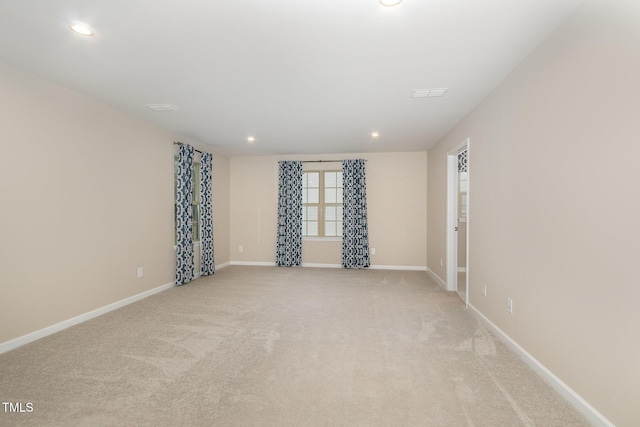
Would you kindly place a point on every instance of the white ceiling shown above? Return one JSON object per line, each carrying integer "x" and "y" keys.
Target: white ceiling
{"x": 301, "y": 76}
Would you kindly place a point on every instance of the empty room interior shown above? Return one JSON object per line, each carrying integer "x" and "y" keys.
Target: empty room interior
{"x": 373, "y": 212}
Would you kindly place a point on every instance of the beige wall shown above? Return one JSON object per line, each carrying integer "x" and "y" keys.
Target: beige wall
{"x": 554, "y": 190}
{"x": 396, "y": 196}
{"x": 221, "y": 195}
{"x": 87, "y": 198}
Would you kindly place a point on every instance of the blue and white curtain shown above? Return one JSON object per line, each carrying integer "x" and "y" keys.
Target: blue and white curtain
{"x": 355, "y": 235}
{"x": 289, "y": 244}
{"x": 207, "y": 264}
{"x": 184, "y": 215}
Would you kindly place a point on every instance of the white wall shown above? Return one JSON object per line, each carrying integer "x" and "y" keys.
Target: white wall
{"x": 554, "y": 194}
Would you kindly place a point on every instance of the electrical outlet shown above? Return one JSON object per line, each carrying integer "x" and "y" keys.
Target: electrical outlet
{"x": 240, "y": 248}
{"x": 510, "y": 305}
{"x": 484, "y": 290}
{"x": 373, "y": 251}
{"x": 140, "y": 272}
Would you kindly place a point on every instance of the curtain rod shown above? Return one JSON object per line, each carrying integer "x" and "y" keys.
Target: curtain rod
{"x": 180, "y": 143}
{"x": 325, "y": 161}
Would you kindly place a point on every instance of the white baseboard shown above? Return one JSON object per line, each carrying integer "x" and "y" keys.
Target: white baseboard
{"x": 320, "y": 265}
{"x": 224, "y": 265}
{"x": 33, "y": 336}
{"x": 253, "y": 263}
{"x": 591, "y": 413}
{"x": 437, "y": 279}
{"x": 398, "y": 267}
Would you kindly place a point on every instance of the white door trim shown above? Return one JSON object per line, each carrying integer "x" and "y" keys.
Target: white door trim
{"x": 452, "y": 214}
{"x": 452, "y": 221}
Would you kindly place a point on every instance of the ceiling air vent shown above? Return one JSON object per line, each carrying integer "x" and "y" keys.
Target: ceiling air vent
{"x": 429, "y": 93}
{"x": 161, "y": 108}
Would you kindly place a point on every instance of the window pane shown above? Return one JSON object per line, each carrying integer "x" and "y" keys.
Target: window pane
{"x": 330, "y": 213}
{"x": 330, "y": 228}
{"x": 313, "y": 195}
{"x": 312, "y": 213}
{"x": 339, "y": 179}
{"x": 463, "y": 182}
{"x": 463, "y": 205}
{"x": 196, "y": 223}
{"x": 312, "y": 228}
{"x": 329, "y": 179}
{"x": 339, "y": 212}
{"x": 330, "y": 195}
{"x": 339, "y": 195}
{"x": 195, "y": 182}
{"x": 304, "y": 196}
{"x": 313, "y": 179}
{"x": 339, "y": 225}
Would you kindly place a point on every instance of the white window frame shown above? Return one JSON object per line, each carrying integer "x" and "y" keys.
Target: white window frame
{"x": 322, "y": 205}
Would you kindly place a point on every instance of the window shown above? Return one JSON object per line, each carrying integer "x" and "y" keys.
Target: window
{"x": 195, "y": 186}
{"x": 463, "y": 189}
{"x": 322, "y": 204}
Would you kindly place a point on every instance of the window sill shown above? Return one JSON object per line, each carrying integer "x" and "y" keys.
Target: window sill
{"x": 322, "y": 239}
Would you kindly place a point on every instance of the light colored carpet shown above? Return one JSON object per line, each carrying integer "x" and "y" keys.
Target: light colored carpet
{"x": 267, "y": 346}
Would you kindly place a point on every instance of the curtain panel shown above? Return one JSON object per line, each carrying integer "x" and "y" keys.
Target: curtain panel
{"x": 355, "y": 235}
{"x": 184, "y": 215}
{"x": 289, "y": 239}
{"x": 207, "y": 263}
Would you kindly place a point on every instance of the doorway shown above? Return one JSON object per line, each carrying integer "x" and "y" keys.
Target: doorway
{"x": 458, "y": 220}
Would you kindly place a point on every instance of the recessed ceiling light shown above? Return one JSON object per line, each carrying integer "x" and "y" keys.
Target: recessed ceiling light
{"x": 251, "y": 139}
{"x": 161, "y": 108}
{"x": 429, "y": 93}
{"x": 390, "y": 3}
{"x": 374, "y": 134}
{"x": 82, "y": 29}
{"x": 437, "y": 92}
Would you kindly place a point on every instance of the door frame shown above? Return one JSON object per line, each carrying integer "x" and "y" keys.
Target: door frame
{"x": 452, "y": 220}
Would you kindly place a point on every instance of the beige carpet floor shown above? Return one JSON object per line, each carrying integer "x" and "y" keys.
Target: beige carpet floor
{"x": 266, "y": 346}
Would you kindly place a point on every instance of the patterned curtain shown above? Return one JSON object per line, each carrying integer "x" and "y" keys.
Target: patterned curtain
{"x": 355, "y": 235}
{"x": 184, "y": 215}
{"x": 289, "y": 244}
{"x": 207, "y": 264}
{"x": 462, "y": 161}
